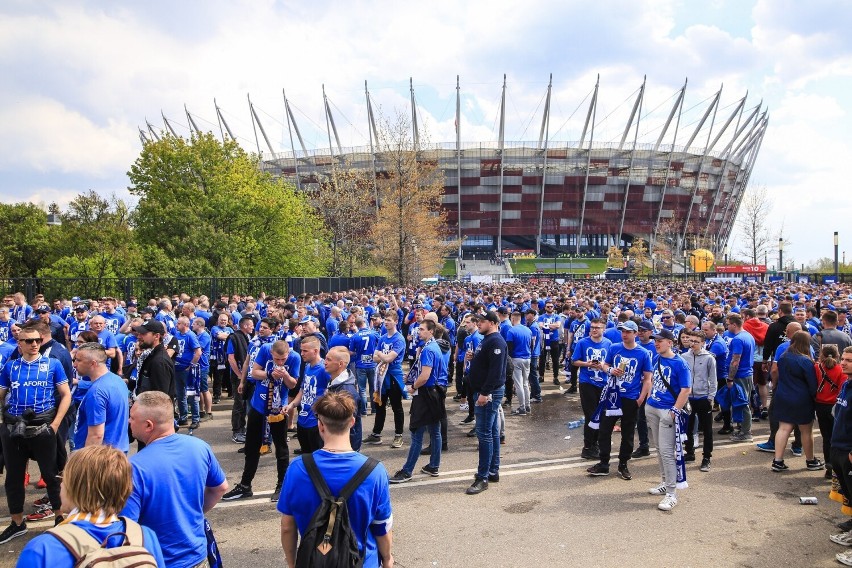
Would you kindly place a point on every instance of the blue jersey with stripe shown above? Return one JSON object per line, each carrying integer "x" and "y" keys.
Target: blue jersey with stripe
{"x": 31, "y": 384}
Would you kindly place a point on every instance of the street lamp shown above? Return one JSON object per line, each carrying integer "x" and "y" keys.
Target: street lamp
{"x": 780, "y": 254}
{"x": 836, "y": 249}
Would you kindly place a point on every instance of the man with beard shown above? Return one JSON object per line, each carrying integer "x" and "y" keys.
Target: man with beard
{"x": 156, "y": 368}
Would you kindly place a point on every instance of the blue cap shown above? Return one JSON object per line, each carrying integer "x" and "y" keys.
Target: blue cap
{"x": 629, "y": 325}
{"x": 307, "y": 319}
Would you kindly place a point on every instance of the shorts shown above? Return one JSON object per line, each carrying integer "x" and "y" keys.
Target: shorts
{"x": 759, "y": 375}
{"x": 204, "y": 387}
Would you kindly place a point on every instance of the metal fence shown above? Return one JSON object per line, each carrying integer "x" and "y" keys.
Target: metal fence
{"x": 213, "y": 287}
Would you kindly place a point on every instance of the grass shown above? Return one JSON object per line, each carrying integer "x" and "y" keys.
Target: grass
{"x": 595, "y": 265}
{"x": 449, "y": 268}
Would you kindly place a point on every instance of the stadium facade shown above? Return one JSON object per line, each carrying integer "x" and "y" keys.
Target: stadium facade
{"x": 576, "y": 197}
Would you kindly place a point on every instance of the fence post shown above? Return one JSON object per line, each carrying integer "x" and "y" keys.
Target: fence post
{"x": 128, "y": 289}
{"x": 30, "y": 289}
{"x": 214, "y": 289}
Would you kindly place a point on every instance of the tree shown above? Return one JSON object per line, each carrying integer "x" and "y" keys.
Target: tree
{"x": 410, "y": 230}
{"x": 614, "y": 258}
{"x": 665, "y": 245}
{"x": 25, "y": 239}
{"x": 753, "y": 223}
{"x": 345, "y": 200}
{"x": 94, "y": 240}
{"x": 638, "y": 253}
{"x": 206, "y": 208}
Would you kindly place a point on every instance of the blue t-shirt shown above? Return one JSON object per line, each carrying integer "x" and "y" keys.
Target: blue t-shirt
{"x": 204, "y": 341}
{"x": 587, "y": 350}
{"x": 719, "y": 349}
{"x": 339, "y": 340}
{"x": 521, "y": 338}
{"x": 187, "y": 344}
{"x": 105, "y": 403}
{"x": 363, "y": 345}
{"x": 395, "y": 343}
{"x": 31, "y": 385}
{"x": 551, "y": 336}
{"x": 677, "y": 373}
{"x": 169, "y": 478}
{"x": 369, "y": 507}
{"x": 217, "y": 346}
{"x": 45, "y": 551}
{"x": 167, "y": 320}
{"x": 113, "y": 322}
{"x": 537, "y": 336}
{"x": 314, "y": 386}
{"x": 261, "y": 388}
{"x": 431, "y": 356}
{"x": 742, "y": 344}
{"x": 5, "y": 330}
{"x": 638, "y": 361}
{"x": 580, "y": 329}
{"x": 471, "y": 342}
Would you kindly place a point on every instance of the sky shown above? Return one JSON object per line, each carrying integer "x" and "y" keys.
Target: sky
{"x": 81, "y": 77}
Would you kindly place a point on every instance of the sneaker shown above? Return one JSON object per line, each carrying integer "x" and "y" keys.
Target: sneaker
{"x": 764, "y": 414}
{"x": 590, "y": 453}
{"x": 400, "y": 477}
{"x": 766, "y": 447}
{"x": 624, "y": 473}
{"x": 640, "y": 452}
{"x": 668, "y": 503}
{"x": 719, "y": 417}
{"x": 519, "y": 412}
{"x": 845, "y": 526}
{"x": 206, "y": 416}
{"x": 216, "y": 401}
{"x": 658, "y": 490}
{"x": 844, "y": 558}
{"x": 494, "y": 477}
{"x": 742, "y": 437}
{"x": 689, "y": 457}
{"x": 724, "y": 431}
{"x": 705, "y": 465}
{"x": 429, "y": 470}
{"x": 472, "y": 433}
{"x": 373, "y": 440}
{"x": 183, "y": 422}
{"x": 41, "y": 484}
{"x": 427, "y": 451}
{"x": 572, "y": 390}
{"x": 239, "y": 438}
{"x": 556, "y": 382}
{"x": 598, "y": 470}
{"x": 464, "y": 406}
{"x": 194, "y": 424}
{"x": 535, "y": 399}
{"x": 397, "y": 441}
{"x": 457, "y": 397}
{"x": 797, "y": 452}
{"x": 276, "y": 494}
{"x": 41, "y": 514}
{"x": 779, "y": 466}
{"x": 843, "y": 539}
{"x": 13, "y": 531}
{"x": 265, "y": 449}
{"x": 814, "y": 464}
{"x": 41, "y": 501}
{"x": 528, "y": 409}
{"x": 467, "y": 420}
{"x": 502, "y": 438}
{"x": 239, "y": 492}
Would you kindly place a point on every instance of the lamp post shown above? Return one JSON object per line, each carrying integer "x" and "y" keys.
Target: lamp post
{"x": 780, "y": 254}
{"x": 836, "y": 250}
{"x": 727, "y": 250}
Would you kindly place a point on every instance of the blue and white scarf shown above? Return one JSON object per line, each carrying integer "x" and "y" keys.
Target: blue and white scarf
{"x": 680, "y": 437}
{"x": 609, "y": 404}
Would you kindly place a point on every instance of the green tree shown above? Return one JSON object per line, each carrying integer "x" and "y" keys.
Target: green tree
{"x": 206, "y": 209}
{"x": 25, "y": 239}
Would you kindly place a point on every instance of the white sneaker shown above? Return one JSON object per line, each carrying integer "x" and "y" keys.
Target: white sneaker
{"x": 668, "y": 503}
{"x": 844, "y": 557}
{"x": 463, "y": 406}
{"x": 843, "y": 539}
{"x": 658, "y": 490}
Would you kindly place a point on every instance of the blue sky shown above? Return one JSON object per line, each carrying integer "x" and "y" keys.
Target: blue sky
{"x": 80, "y": 77}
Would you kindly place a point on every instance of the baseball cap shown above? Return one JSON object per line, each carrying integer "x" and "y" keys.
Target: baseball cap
{"x": 664, "y": 334}
{"x": 307, "y": 319}
{"x": 131, "y": 304}
{"x": 75, "y": 299}
{"x": 81, "y": 308}
{"x": 646, "y": 326}
{"x": 42, "y": 310}
{"x": 488, "y": 316}
{"x": 152, "y": 326}
{"x": 503, "y": 310}
{"x": 629, "y": 326}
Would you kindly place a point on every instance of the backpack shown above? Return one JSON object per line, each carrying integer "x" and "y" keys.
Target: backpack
{"x": 329, "y": 540}
{"x": 89, "y": 552}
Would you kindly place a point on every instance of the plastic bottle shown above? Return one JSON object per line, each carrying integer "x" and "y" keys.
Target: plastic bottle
{"x": 575, "y": 424}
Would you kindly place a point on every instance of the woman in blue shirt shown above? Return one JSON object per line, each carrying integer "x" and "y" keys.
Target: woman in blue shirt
{"x": 96, "y": 485}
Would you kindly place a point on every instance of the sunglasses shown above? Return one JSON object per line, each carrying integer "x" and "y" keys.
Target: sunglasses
{"x": 32, "y": 340}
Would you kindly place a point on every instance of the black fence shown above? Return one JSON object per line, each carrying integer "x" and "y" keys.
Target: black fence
{"x": 213, "y": 287}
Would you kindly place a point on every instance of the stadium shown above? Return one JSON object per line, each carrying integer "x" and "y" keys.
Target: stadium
{"x": 680, "y": 188}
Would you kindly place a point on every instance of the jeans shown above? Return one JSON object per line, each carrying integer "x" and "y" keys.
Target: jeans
{"x": 629, "y": 409}
{"x": 702, "y": 413}
{"x": 488, "y": 433}
{"x": 181, "y": 376}
{"x": 535, "y": 386}
{"x": 417, "y": 445}
{"x": 366, "y": 382}
{"x": 590, "y": 397}
{"x": 661, "y": 426}
{"x": 520, "y": 374}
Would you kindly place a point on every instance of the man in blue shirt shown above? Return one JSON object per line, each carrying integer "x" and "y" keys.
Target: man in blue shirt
{"x": 362, "y": 346}
{"x": 188, "y": 354}
{"x": 205, "y": 341}
{"x": 369, "y": 507}
{"x": 33, "y": 382}
{"x": 740, "y": 367}
{"x": 388, "y": 356}
{"x": 426, "y": 410}
{"x": 176, "y": 480}
{"x": 589, "y": 355}
{"x": 531, "y": 316}
{"x": 103, "y": 413}
{"x": 314, "y": 382}
{"x": 549, "y": 323}
{"x": 519, "y": 340}
{"x": 577, "y": 329}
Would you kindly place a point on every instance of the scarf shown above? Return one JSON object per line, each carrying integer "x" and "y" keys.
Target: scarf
{"x": 680, "y": 437}
{"x": 609, "y": 403}
{"x": 139, "y": 362}
{"x": 97, "y": 518}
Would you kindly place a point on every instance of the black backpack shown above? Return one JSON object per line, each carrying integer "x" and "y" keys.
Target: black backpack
{"x": 329, "y": 540}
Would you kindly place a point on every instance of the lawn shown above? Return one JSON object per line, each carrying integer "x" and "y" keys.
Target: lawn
{"x": 449, "y": 268}
{"x": 594, "y": 265}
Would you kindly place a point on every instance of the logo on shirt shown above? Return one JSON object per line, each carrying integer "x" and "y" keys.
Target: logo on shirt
{"x": 43, "y": 367}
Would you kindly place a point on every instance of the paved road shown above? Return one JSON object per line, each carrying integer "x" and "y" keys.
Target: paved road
{"x": 546, "y": 511}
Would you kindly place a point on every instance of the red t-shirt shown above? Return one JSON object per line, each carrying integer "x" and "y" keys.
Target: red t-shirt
{"x": 826, "y": 393}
